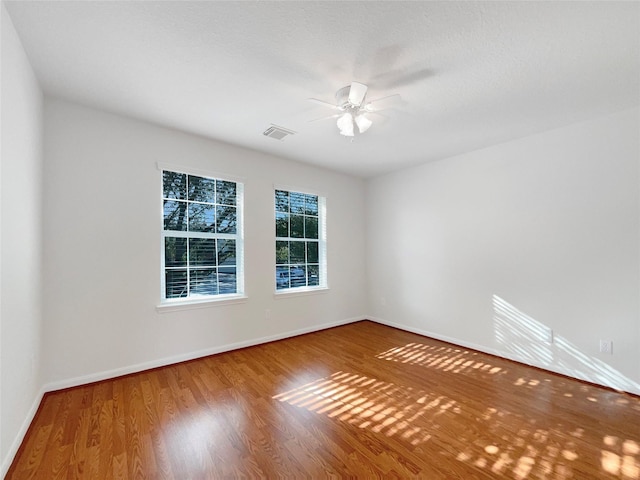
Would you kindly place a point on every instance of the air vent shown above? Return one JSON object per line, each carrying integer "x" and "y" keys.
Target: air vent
{"x": 274, "y": 131}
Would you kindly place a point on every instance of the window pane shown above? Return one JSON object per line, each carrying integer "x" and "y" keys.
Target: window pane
{"x": 175, "y": 215}
{"x": 311, "y": 227}
{"x": 282, "y": 252}
{"x": 282, "y": 201}
{"x": 226, "y": 192}
{"x": 202, "y": 251}
{"x": 203, "y": 282}
{"x": 202, "y": 218}
{"x": 226, "y": 252}
{"x": 297, "y": 240}
{"x": 227, "y": 280}
{"x": 282, "y": 277}
{"x": 175, "y": 252}
{"x": 297, "y": 252}
{"x": 198, "y": 262}
{"x": 298, "y": 276}
{"x": 174, "y": 185}
{"x": 297, "y": 202}
{"x": 202, "y": 189}
{"x": 297, "y": 226}
{"x": 313, "y": 275}
{"x": 311, "y": 204}
{"x": 175, "y": 283}
{"x": 312, "y": 252}
{"x": 226, "y": 219}
{"x": 282, "y": 224}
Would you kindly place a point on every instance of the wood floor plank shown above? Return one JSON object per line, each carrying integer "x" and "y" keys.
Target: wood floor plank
{"x": 360, "y": 401}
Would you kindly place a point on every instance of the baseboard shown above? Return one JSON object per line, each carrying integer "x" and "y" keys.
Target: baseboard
{"x": 499, "y": 353}
{"x": 436, "y": 336}
{"x": 105, "y": 375}
{"x": 162, "y": 362}
{"x": 118, "y": 372}
{"x": 13, "y": 449}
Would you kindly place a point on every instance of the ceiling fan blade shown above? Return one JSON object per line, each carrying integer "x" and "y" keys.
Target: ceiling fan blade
{"x": 325, "y": 104}
{"x": 379, "y": 114}
{"x": 357, "y": 93}
{"x": 335, "y": 115}
{"x": 372, "y": 108}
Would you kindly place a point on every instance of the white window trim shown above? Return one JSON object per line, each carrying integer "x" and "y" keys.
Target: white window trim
{"x": 173, "y": 304}
{"x": 322, "y": 244}
{"x": 300, "y": 291}
{"x": 199, "y": 172}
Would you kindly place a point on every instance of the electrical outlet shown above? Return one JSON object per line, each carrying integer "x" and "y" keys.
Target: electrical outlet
{"x": 549, "y": 336}
{"x": 383, "y": 301}
{"x": 606, "y": 346}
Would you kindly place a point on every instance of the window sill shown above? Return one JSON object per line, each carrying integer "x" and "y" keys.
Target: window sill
{"x": 296, "y": 292}
{"x": 204, "y": 303}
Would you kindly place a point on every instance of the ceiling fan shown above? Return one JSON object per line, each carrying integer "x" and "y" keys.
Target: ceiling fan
{"x": 353, "y": 107}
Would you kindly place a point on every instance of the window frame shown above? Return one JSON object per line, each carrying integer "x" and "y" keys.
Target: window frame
{"x": 169, "y": 304}
{"x": 323, "y": 285}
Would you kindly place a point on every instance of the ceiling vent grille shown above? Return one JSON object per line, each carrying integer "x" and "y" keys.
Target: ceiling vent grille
{"x": 274, "y": 131}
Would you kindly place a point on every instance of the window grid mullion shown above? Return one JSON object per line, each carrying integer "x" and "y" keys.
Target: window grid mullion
{"x": 303, "y": 216}
{"x": 188, "y": 244}
{"x": 190, "y": 236}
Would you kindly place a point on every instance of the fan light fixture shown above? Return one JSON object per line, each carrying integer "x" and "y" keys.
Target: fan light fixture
{"x": 351, "y": 100}
{"x": 363, "y": 123}
{"x": 345, "y": 124}
{"x": 352, "y": 108}
{"x": 346, "y": 121}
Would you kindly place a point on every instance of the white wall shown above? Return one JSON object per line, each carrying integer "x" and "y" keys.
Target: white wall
{"x": 492, "y": 248}
{"x": 488, "y": 249}
{"x": 102, "y": 251}
{"x": 20, "y": 243}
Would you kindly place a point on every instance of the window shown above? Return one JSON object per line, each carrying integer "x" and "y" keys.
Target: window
{"x": 300, "y": 241}
{"x": 202, "y": 243}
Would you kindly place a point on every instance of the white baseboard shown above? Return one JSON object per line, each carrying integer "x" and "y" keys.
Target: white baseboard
{"x": 13, "y": 449}
{"x": 162, "y": 362}
{"x": 436, "y": 336}
{"x": 105, "y": 375}
{"x": 631, "y": 387}
{"x": 117, "y": 372}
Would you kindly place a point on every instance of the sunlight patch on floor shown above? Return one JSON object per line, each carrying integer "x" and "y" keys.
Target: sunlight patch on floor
{"x": 446, "y": 359}
{"x": 621, "y": 457}
{"x": 365, "y": 402}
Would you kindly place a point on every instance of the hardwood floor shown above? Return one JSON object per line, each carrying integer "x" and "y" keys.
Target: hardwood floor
{"x": 360, "y": 401}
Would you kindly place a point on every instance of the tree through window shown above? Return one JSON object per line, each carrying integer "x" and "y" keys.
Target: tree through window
{"x": 201, "y": 240}
{"x": 300, "y": 245}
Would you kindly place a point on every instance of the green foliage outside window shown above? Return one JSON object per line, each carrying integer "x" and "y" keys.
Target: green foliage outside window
{"x": 297, "y": 240}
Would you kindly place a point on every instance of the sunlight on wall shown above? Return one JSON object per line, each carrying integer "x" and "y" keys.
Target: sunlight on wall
{"x": 521, "y": 334}
{"x": 529, "y": 340}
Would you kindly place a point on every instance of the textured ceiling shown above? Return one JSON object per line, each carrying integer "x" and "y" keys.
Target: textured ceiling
{"x": 470, "y": 74}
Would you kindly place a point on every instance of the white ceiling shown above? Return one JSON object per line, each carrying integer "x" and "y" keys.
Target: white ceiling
{"x": 470, "y": 74}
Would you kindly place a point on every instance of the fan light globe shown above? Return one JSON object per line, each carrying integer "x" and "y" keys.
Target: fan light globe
{"x": 363, "y": 123}
{"x": 345, "y": 124}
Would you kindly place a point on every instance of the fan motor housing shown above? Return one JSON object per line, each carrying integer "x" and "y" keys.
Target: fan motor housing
{"x": 342, "y": 96}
